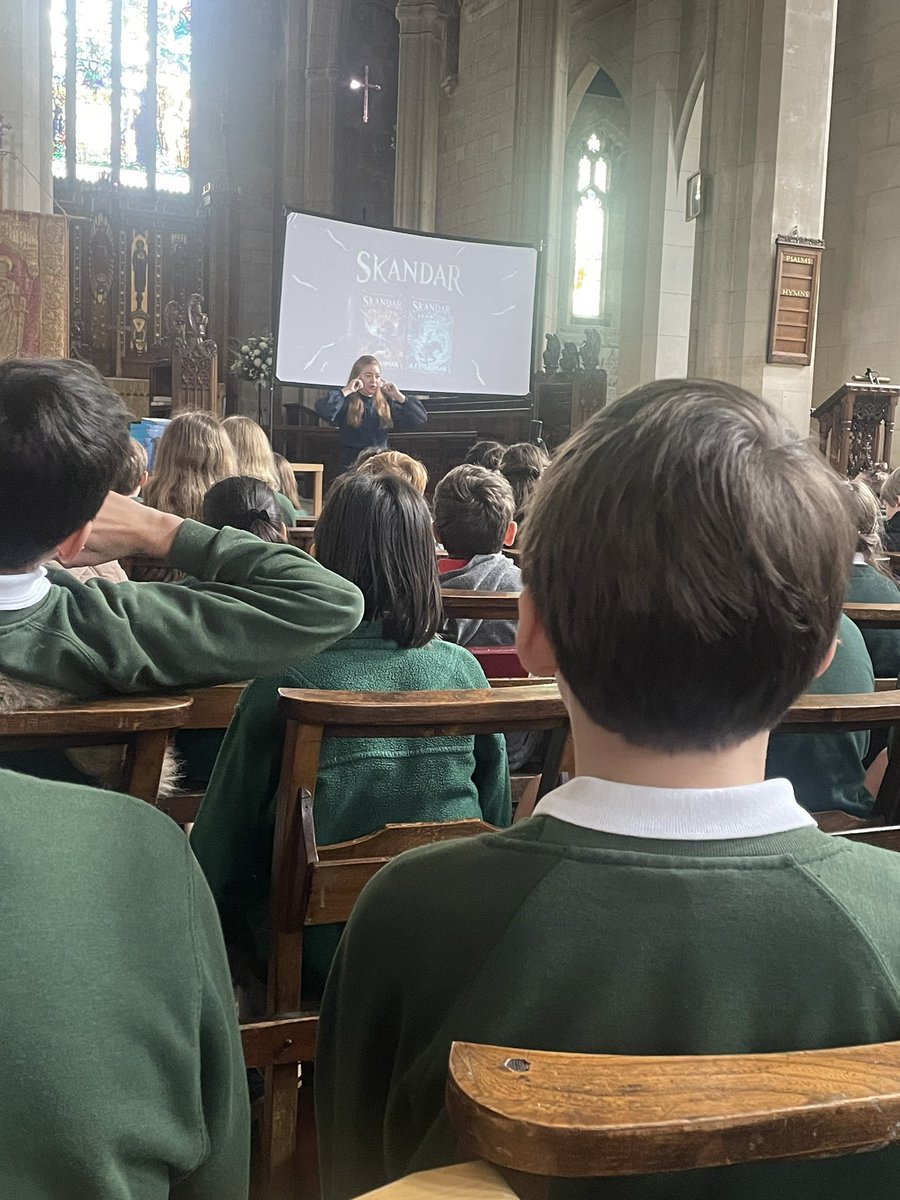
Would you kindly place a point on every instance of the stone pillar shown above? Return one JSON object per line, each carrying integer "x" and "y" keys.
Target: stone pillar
{"x": 539, "y": 146}
{"x": 651, "y": 174}
{"x": 859, "y": 318}
{"x": 766, "y": 118}
{"x": 418, "y": 96}
{"x": 25, "y": 106}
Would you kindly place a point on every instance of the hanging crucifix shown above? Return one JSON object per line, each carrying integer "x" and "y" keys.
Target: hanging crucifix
{"x": 366, "y": 87}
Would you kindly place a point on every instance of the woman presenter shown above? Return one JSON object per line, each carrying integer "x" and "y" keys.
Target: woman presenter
{"x": 367, "y": 409}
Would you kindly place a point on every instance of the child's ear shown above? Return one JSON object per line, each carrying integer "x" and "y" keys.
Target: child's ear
{"x": 510, "y": 536}
{"x": 532, "y": 644}
{"x": 828, "y": 659}
{"x": 68, "y": 551}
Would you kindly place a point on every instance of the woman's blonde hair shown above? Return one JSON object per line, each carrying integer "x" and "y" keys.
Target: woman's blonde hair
{"x": 252, "y": 450}
{"x": 355, "y": 401}
{"x": 866, "y": 514}
{"x": 393, "y": 462}
{"x": 288, "y": 480}
{"x": 192, "y": 454}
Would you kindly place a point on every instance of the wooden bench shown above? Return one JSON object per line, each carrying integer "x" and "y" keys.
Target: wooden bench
{"x": 314, "y": 885}
{"x": 480, "y": 606}
{"x": 537, "y": 1115}
{"x": 303, "y": 534}
{"x": 141, "y": 724}
{"x": 874, "y": 616}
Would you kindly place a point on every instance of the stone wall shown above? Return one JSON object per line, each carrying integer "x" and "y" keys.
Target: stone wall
{"x": 475, "y": 146}
{"x": 25, "y": 106}
{"x": 859, "y": 317}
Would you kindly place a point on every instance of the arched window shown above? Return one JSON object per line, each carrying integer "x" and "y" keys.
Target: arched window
{"x": 591, "y": 212}
{"x": 122, "y": 91}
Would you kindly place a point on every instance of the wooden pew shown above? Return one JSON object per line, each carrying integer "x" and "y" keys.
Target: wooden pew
{"x": 142, "y": 724}
{"x": 538, "y": 1115}
{"x": 483, "y": 606}
{"x": 303, "y": 534}
{"x": 211, "y": 708}
{"x": 314, "y": 884}
{"x": 874, "y": 616}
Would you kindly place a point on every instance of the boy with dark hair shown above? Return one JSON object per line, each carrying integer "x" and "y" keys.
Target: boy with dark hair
{"x": 250, "y": 606}
{"x": 485, "y": 453}
{"x": 473, "y": 520}
{"x": 132, "y": 474}
{"x": 668, "y": 899}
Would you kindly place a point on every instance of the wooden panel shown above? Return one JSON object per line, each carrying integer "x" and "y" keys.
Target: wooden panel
{"x": 865, "y": 710}
{"x": 425, "y": 714}
{"x": 125, "y": 714}
{"x": 394, "y": 839}
{"x": 574, "y": 1115}
{"x": 793, "y": 322}
{"x": 213, "y": 707}
{"x": 286, "y": 1039}
{"x": 874, "y": 616}
{"x": 484, "y": 606}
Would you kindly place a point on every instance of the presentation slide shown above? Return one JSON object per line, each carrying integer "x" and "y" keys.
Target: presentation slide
{"x": 439, "y": 315}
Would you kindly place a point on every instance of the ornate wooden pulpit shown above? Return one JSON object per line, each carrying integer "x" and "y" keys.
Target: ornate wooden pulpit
{"x": 856, "y": 425}
{"x": 194, "y": 358}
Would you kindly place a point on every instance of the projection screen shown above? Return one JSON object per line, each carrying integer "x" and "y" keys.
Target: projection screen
{"x": 440, "y": 315}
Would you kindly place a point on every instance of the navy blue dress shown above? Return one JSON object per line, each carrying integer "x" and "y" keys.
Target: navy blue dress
{"x": 370, "y": 431}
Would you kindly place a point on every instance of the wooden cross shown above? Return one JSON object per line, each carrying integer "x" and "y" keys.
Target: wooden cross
{"x": 366, "y": 88}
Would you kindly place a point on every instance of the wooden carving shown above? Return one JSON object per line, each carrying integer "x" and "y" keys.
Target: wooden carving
{"x": 194, "y": 357}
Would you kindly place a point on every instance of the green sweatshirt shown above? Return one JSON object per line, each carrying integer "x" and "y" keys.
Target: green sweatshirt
{"x": 250, "y": 606}
{"x": 555, "y": 937}
{"x": 868, "y": 586}
{"x": 362, "y": 784}
{"x": 826, "y": 769}
{"x": 124, "y": 1078}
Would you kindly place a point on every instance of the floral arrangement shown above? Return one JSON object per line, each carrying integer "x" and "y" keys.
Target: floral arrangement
{"x": 254, "y": 358}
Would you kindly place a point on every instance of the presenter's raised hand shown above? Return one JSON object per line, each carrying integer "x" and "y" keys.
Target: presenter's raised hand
{"x": 391, "y": 390}
{"x": 355, "y": 385}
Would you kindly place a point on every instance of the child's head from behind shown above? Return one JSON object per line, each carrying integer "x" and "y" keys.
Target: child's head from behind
{"x": 63, "y": 438}
{"x": 244, "y": 502}
{"x": 687, "y": 556}
{"x": 866, "y": 514}
{"x": 890, "y": 493}
{"x": 192, "y": 454}
{"x": 132, "y": 474}
{"x": 523, "y": 464}
{"x": 251, "y": 449}
{"x": 485, "y": 454}
{"x": 393, "y": 462}
{"x": 473, "y": 511}
{"x": 375, "y": 530}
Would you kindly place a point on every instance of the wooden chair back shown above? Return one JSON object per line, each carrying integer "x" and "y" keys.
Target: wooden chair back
{"x": 313, "y": 885}
{"x": 480, "y": 606}
{"x": 538, "y": 1115}
{"x": 874, "y": 616}
{"x": 849, "y": 714}
{"x": 142, "y": 724}
{"x": 303, "y": 534}
{"x": 211, "y": 708}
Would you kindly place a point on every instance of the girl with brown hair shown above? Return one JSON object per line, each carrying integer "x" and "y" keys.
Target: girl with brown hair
{"x": 367, "y": 409}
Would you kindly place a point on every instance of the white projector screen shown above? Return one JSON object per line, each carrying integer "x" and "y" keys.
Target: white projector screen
{"x": 439, "y": 315}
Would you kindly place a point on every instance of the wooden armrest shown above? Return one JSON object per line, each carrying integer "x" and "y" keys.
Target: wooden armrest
{"x": 286, "y": 1039}
{"x": 581, "y": 1115}
{"x": 124, "y": 714}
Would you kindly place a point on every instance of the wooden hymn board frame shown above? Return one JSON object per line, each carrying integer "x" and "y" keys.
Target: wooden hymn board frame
{"x": 792, "y": 329}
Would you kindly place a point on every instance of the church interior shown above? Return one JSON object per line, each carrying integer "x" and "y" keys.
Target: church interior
{"x": 581, "y": 585}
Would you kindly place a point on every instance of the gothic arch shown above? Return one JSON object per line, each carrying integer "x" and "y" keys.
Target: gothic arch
{"x": 578, "y": 88}
{"x": 687, "y": 110}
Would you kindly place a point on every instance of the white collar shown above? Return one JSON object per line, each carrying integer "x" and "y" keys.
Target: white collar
{"x": 858, "y": 560}
{"x": 23, "y": 591}
{"x": 678, "y": 814}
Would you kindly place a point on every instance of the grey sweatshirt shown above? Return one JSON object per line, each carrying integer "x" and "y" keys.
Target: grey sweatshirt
{"x": 483, "y": 573}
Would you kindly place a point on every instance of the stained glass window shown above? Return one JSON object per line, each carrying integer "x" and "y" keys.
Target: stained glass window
{"x": 591, "y": 187}
{"x": 122, "y": 91}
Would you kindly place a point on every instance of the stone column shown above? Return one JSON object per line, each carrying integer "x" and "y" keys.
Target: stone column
{"x": 539, "y": 146}
{"x": 859, "y": 318}
{"x": 766, "y": 118}
{"x": 651, "y": 173}
{"x": 418, "y": 95}
{"x": 25, "y": 106}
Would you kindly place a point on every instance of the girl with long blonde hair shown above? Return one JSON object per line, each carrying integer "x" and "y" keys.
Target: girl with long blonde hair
{"x": 255, "y": 458}
{"x": 193, "y": 453}
{"x": 367, "y": 408}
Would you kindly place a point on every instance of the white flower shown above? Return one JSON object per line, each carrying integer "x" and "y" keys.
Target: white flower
{"x": 245, "y": 349}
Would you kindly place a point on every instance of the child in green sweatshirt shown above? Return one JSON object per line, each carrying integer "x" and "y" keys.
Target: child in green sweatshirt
{"x": 249, "y": 606}
{"x": 376, "y": 531}
{"x": 668, "y": 899}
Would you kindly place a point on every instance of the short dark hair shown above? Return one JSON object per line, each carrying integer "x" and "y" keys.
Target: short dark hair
{"x": 244, "y": 502}
{"x": 523, "y": 464}
{"x": 63, "y": 438}
{"x": 132, "y": 470}
{"x": 472, "y": 508}
{"x": 485, "y": 454}
{"x": 375, "y": 530}
{"x": 688, "y": 554}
